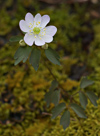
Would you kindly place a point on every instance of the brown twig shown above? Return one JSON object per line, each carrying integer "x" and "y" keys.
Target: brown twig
{"x": 45, "y": 113}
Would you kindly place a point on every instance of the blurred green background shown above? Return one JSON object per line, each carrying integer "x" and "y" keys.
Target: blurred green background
{"x": 23, "y": 110}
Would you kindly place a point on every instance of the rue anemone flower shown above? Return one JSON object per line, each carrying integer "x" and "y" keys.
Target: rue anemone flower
{"x": 36, "y": 30}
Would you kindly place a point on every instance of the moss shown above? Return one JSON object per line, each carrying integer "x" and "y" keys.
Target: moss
{"x": 31, "y": 89}
{"x": 70, "y": 84}
{"x": 4, "y": 111}
{"x": 5, "y": 23}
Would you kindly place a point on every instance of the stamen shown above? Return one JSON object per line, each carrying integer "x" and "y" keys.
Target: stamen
{"x": 43, "y": 33}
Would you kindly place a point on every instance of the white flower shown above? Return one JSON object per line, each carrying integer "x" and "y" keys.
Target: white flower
{"x": 36, "y": 30}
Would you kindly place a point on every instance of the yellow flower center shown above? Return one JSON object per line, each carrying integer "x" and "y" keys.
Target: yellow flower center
{"x": 36, "y": 30}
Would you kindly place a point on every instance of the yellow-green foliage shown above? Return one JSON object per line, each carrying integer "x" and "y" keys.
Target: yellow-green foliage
{"x": 25, "y": 88}
{"x": 46, "y": 127}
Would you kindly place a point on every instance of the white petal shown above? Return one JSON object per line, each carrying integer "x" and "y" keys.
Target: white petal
{"x": 29, "y": 39}
{"x": 29, "y": 18}
{"x": 37, "y": 20}
{"x": 39, "y": 41}
{"x": 47, "y": 38}
{"x": 23, "y": 26}
{"x": 51, "y": 30}
{"x": 44, "y": 21}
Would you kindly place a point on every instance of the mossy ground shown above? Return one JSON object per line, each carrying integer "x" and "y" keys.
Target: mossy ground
{"x": 22, "y": 107}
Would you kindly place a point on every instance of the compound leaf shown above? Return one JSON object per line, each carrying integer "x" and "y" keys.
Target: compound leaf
{"x": 22, "y": 54}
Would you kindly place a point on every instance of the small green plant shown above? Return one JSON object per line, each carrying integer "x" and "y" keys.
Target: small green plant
{"x": 34, "y": 45}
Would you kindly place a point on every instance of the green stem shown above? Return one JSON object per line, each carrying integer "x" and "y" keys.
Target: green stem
{"x": 56, "y": 80}
{"x": 75, "y": 93}
{"x": 60, "y": 86}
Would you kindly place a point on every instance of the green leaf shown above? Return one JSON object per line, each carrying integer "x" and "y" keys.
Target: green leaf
{"x": 58, "y": 109}
{"x": 52, "y": 97}
{"x": 93, "y": 98}
{"x": 78, "y": 110}
{"x": 54, "y": 85}
{"x": 83, "y": 99}
{"x": 55, "y": 97}
{"x": 52, "y": 56}
{"x": 19, "y": 52}
{"x": 35, "y": 58}
{"x": 85, "y": 82}
{"x": 48, "y": 97}
{"x": 22, "y": 54}
{"x": 15, "y": 38}
{"x": 18, "y": 60}
{"x": 65, "y": 119}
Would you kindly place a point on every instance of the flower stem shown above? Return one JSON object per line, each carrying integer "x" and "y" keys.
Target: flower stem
{"x": 75, "y": 93}
{"x": 56, "y": 80}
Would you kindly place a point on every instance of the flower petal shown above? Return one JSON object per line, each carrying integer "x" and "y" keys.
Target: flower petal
{"x": 29, "y": 39}
{"x": 23, "y": 26}
{"x": 44, "y": 21}
{"x": 39, "y": 41}
{"x": 47, "y": 38}
{"x": 29, "y": 18}
{"x": 37, "y": 20}
{"x": 51, "y": 30}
